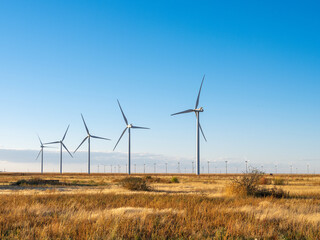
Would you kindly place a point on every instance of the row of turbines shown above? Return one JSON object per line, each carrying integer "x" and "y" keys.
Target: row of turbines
{"x": 197, "y": 110}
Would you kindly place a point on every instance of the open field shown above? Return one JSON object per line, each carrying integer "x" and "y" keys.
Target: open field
{"x": 78, "y": 206}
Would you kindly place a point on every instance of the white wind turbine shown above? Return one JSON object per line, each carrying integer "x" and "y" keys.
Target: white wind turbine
{"x": 88, "y": 137}
{"x": 62, "y": 145}
{"x": 197, "y": 111}
{"x": 41, "y": 152}
{"x": 128, "y": 126}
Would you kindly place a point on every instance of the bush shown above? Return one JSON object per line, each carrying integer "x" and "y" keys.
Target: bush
{"x": 248, "y": 185}
{"x": 278, "y": 181}
{"x": 135, "y": 184}
{"x": 174, "y": 180}
{"x": 264, "y": 181}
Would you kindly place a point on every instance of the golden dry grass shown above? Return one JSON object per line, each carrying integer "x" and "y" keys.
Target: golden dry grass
{"x": 97, "y": 207}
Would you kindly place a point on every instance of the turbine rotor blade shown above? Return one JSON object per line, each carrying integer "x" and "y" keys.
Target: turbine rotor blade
{"x": 100, "y": 137}
{"x": 124, "y": 116}
{"x": 202, "y": 132}
{"x": 39, "y": 154}
{"x": 64, "y": 136}
{"x": 186, "y": 111}
{"x": 85, "y": 124}
{"x": 81, "y": 144}
{"x": 52, "y": 142}
{"x": 66, "y": 149}
{"x": 40, "y": 141}
{"x": 197, "y": 102}
{"x": 120, "y": 138}
{"x": 139, "y": 127}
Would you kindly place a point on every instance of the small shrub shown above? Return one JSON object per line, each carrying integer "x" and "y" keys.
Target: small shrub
{"x": 264, "y": 181}
{"x": 174, "y": 180}
{"x": 150, "y": 179}
{"x": 248, "y": 185}
{"x": 278, "y": 181}
{"x": 135, "y": 184}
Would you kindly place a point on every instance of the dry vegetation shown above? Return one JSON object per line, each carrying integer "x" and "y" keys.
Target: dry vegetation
{"x": 78, "y": 206}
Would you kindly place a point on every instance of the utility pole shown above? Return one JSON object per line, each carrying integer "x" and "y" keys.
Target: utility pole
{"x": 166, "y": 168}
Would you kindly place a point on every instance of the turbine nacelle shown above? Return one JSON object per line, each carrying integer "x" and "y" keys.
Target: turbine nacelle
{"x": 199, "y": 109}
{"x": 129, "y": 126}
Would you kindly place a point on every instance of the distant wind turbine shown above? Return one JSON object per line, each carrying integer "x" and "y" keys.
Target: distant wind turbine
{"x": 129, "y": 126}
{"x": 88, "y": 137}
{"x": 41, "y": 152}
{"x": 62, "y": 145}
{"x": 197, "y": 111}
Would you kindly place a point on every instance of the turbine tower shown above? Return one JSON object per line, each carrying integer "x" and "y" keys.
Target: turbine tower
{"x": 41, "y": 152}
{"x": 128, "y": 126}
{"x": 62, "y": 145}
{"x": 197, "y": 111}
{"x": 88, "y": 137}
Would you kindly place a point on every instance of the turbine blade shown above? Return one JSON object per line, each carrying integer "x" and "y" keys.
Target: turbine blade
{"x": 197, "y": 102}
{"x": 85, "y": 124}
{"x": 40, "y": 140}
{"x": 186, "y": 111}
{"x": 52, "y": 142}
{"x": 66, "y": 149}
{"x": 124, "y": 116}
{"x": 100, "y": 137}
{"x": 139, "y": 127}
{"x": 81, "y": 144}
{"x": 202, "y": 132}
{"x": 120, "y": 138}
{"x": 64, "y": 136}
{"x": 38, "y": 154}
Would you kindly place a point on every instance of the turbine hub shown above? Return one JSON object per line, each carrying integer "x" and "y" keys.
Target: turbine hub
{"x": 129, "y": 126}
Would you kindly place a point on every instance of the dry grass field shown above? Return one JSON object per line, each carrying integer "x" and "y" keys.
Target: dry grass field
{"x": 78, "y": 206}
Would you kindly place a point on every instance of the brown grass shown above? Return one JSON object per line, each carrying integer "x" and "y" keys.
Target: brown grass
{"x": 196, "y": 208}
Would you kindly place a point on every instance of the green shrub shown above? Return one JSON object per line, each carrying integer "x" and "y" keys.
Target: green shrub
{"x": 174, "y": 180}
{"x": 135, "y": 184}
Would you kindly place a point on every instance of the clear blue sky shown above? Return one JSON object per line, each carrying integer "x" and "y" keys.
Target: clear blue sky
{"x": 261, "y": 94}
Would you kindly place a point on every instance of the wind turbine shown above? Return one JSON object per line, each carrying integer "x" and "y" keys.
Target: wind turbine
{"x": 129, "y": 126}
{"x": 88, "y": 137}
{"x": 197, "y": 111}
{"x": 41, "y": 152}
{"x": 62, "y": 145}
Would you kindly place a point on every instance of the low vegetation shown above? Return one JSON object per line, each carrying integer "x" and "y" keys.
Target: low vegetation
{"x": 250, "y": 185}
{"x": 135, "y": 184}
{"x": 110, "y": 207}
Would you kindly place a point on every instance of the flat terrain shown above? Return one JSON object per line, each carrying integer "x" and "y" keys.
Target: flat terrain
{"x": 79, "y": 206}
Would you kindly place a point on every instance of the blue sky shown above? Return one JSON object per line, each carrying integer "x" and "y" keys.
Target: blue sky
{"x": 261, "y": 93}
